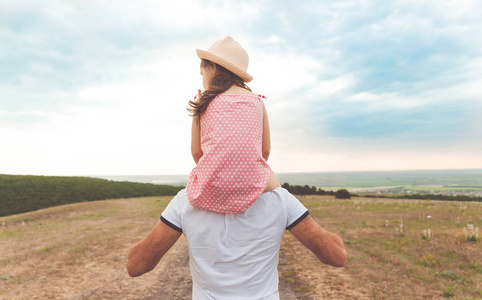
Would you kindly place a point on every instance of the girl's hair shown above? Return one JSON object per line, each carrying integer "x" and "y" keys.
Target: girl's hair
{"x": 221, "y": 82}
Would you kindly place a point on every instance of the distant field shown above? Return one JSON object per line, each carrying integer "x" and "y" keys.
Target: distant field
{"x": 421, "y": 188}
{"x": 335, "y": 180}
{"x": 78, "y": 251}
{"x": 466, "y": 178}
{"x": 443, "y": 188}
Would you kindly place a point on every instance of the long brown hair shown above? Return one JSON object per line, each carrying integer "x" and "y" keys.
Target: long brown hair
{"x": 219, "y": 83}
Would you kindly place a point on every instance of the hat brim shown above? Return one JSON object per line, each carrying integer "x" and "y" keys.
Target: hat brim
{"x": 223, "y": 63}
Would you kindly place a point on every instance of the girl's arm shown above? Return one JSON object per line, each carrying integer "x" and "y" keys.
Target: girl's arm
{"x": 196, "y": 151}
{"x": 266, "y": 137}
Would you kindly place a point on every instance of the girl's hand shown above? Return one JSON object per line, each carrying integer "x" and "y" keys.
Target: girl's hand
{"x": 197, "y": 97}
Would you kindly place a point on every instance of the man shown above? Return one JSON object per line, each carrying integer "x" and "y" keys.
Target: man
{"x": 235, "y": 256}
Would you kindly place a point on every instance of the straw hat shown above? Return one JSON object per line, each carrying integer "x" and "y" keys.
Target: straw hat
{"x": 228, "y": 54}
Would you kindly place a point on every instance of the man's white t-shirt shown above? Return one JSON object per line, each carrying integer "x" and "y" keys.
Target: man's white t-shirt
{"x": 235, "y": 256}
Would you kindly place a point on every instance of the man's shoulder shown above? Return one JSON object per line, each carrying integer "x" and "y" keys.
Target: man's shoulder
{"x": 282, "y": 194}
{"x": 181, "y": 195}
{"x": 180, "y": 200}
{"x": 174, "y": 211}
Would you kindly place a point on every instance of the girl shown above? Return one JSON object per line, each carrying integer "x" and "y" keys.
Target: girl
{"x": 230, "y": 139}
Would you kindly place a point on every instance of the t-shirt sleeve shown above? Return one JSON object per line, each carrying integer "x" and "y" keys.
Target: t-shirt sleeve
{"x": 172, "y": 215}
{"x": 295, "y": 211}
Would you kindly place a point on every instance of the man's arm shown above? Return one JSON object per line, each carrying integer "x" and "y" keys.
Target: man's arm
{"x": 145, "y": 256}
{"x": 326, "y": 246}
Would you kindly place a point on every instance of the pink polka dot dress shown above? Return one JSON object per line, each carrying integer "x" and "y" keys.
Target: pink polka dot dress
{"x": 232, "y": 172}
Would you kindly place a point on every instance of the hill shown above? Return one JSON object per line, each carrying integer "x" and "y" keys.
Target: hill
{"x": 398, "y": 249}
{"x": 24, "y": 193}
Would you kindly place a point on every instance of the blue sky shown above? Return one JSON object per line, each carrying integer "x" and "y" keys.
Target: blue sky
{"x": 101, "y": 87}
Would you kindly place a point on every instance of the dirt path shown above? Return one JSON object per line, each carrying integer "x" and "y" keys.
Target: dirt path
{"x": 175, "y": 276}
{"x": 314, "y": 279}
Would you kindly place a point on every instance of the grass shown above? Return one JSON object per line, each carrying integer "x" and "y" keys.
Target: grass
{"x": 57, "y": 252}
{"x": 61, "y": 251}
{"x": 446, "y": 265}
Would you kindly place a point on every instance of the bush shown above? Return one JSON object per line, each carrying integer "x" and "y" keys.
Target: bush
{"x": 305, "y": 190}
{"x": 342, "y": 194}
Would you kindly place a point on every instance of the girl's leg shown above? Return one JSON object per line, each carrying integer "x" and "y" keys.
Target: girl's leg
{"x": 273, "y": 182}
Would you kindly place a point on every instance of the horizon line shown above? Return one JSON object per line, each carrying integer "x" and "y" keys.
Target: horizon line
{"x": 287, "y": 173}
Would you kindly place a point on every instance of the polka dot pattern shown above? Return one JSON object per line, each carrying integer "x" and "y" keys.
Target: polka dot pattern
{"x": 232, "y": 172}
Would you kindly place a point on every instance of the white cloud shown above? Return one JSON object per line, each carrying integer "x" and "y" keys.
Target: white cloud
{"x": 368, "y": 101}
{"x": 283, "y": 73}
{"x": 102, "y": 87}
{"x": 328, "y": 87}
{"x": 127, "y": 139}
{"x": 130, "y": 127}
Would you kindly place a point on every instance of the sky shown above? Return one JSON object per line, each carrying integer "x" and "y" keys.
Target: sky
{"x": 101, "y": 87}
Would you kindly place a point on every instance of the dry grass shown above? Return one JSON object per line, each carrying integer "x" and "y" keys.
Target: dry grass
{"x": 398, "y": 262}
{"x": 75, "y": 251}
{"x": 78, "y": 251}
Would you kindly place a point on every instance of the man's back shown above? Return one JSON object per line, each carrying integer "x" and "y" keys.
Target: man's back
{"x": 235, "y": 256}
